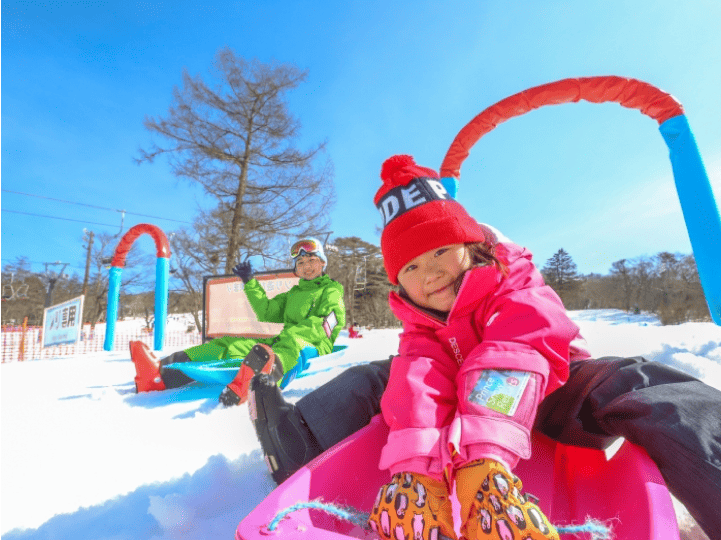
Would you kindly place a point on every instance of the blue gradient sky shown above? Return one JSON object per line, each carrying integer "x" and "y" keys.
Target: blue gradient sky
{"x": 384, "y": 78}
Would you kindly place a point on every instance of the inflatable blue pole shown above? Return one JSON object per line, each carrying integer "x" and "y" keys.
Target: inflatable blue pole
{"x": 162, "y": 271}
{"x": 699, "y": 208}
{"x": 113, "y": 300}
{"x": 451, "y": 185}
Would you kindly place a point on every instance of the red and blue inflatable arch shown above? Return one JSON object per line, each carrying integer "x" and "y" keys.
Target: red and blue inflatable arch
{"x": 162, "y": 271}
{"x": 692, "y": 185}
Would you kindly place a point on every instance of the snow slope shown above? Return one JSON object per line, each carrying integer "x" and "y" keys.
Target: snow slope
{"x": 85, "y": 457}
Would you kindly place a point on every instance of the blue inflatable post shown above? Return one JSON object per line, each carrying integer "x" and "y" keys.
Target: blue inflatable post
{"x": 113, "y": 301}
{"x": 162, "y": 271}
{"x": 699, "y": 208}
{"x": 451, "y": 185}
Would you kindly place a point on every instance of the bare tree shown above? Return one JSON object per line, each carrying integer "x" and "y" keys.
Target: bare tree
{"x": 681, "y": 295}
{"x": 642, "y": 271}
{"x": 193, "y": 260}
{"x": 236, "y": 138}
{"x": 358, "y": 266}
{"x": 138, "y": 275}
{"x": 621, "y": 271}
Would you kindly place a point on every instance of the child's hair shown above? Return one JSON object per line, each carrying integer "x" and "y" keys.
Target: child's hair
{"x": 482, "y": 254}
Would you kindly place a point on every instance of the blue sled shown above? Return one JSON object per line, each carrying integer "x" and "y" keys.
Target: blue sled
{"x": 217, "y": 373}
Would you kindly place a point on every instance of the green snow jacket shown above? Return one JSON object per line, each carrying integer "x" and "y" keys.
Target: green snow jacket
{"x": 312, "y": 314}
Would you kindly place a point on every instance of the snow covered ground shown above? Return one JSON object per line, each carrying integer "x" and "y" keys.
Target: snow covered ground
{"x": 85, "y": 457}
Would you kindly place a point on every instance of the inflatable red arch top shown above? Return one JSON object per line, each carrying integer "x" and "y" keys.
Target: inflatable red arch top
{"x": 162, "y": 248}
{"x": 630, "y": 93}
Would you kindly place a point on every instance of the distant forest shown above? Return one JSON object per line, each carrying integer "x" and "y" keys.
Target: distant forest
{"x": 666, "y": 284}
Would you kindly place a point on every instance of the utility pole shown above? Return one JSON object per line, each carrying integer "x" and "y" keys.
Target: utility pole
{"x": 89, "y": 236}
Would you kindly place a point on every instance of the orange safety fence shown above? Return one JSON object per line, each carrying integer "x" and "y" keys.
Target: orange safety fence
{"x": 25, "y": 343}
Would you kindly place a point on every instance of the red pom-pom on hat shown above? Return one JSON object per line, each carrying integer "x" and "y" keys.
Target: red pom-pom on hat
{"x": 399, "y": 170}
{"x": 393, "y": 165}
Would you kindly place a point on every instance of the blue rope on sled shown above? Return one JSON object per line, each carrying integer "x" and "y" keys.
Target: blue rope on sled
{"x": 346, "y": 514}
{"x": 597, "y": 530}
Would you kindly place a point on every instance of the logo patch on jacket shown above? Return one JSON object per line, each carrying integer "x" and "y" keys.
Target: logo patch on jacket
{"x": 456, "y": 350}
{"x": 329, "y": 323}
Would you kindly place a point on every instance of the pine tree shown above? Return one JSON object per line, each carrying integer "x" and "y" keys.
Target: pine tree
{"x": 561, "y": 273}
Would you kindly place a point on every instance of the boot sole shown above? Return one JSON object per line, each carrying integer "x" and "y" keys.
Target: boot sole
{"x": 260, "y": 359}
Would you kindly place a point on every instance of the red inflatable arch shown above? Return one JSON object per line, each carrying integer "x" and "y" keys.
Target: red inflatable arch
{"x": 630, "y": 93}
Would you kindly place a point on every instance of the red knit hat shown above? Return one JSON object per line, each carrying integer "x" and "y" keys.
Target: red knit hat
{"x": 418, "y": 214}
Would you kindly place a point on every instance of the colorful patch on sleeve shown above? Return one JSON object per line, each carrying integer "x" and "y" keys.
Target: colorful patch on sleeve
{"x": 500, "y": 390}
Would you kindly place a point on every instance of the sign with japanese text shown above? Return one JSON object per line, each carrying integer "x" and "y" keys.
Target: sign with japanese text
{"x": 228, "y": 312}
{"x": 63, "y": 323}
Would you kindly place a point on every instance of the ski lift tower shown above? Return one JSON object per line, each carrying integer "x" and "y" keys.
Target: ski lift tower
{"x": 12, "y": 290}
{"x": 359, "y": 286}
{"x": 360, "y": 280}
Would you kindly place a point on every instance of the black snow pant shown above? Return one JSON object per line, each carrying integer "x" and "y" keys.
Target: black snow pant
{"x": 673, "y": 416}
{"x": 172, "y": 378}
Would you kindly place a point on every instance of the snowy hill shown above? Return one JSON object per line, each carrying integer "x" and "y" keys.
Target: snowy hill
{"x": 85, "y": 457}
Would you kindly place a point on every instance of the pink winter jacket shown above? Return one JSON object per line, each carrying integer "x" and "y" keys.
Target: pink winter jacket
{"x": 505, "y": 323}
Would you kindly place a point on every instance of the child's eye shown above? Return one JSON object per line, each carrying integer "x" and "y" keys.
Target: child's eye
{"x": 441, "y": 252}
{"x": 409, "y": 268}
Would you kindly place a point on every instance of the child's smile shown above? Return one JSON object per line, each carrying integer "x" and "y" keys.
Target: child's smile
{"x": 308, "y": 267}
{"x": 429, "y": 279}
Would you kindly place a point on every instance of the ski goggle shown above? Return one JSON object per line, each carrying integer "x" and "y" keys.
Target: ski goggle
{"x": 305, "y": 246}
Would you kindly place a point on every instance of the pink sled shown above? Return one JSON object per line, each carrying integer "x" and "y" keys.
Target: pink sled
{"x": 625, "y": 491}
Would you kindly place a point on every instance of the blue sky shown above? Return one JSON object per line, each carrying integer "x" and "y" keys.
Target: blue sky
{"x": 384, "y": 78}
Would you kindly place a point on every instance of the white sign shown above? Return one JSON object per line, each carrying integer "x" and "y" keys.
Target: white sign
{"x": 228, "y": 311}
{"x": 63, "y": 323}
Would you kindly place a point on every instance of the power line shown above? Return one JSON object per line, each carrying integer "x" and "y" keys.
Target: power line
{"x": 56, "y": 217}
{"x": 88, "y": 205}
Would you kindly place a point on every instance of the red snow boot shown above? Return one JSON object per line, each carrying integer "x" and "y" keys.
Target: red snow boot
{"x": 260, "y": 359}
{"x": 147, "y": 369}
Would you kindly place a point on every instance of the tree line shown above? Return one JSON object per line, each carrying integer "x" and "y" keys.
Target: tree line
{"x": 666, "y": 284}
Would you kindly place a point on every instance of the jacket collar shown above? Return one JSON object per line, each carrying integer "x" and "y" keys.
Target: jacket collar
{"x": 318, "y": 282}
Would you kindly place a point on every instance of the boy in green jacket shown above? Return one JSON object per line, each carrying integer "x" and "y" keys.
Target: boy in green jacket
{"x": 312, "y": 314}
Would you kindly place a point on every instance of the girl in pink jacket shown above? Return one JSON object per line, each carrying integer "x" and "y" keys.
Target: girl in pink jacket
{"x": 484, "y": 341}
